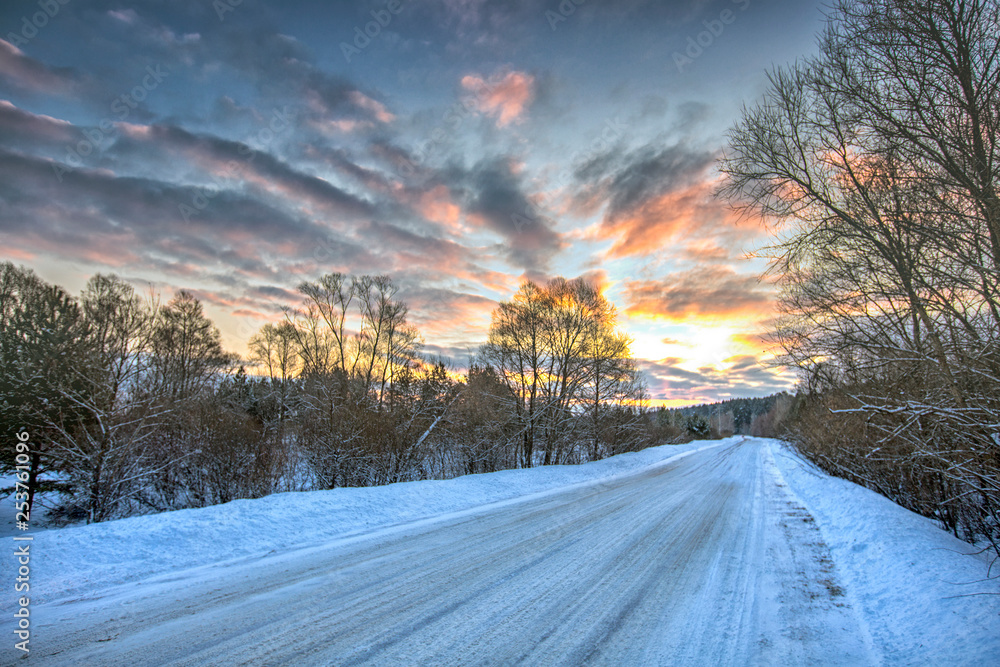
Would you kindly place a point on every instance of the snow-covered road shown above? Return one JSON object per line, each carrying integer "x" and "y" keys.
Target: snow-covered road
{"x": 709, "y": 559}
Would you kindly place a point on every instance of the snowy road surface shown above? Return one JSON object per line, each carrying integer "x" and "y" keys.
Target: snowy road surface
{"x": 710, "y": 559}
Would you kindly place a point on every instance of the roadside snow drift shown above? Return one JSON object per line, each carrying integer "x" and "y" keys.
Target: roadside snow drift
{"x": 924, "y": 592}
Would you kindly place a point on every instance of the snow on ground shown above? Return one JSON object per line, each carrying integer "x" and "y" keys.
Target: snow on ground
{"x": 704, "y": 560}
{"x": 77, "y": 560}
{"x": 922, "y": 591}
{"x": 745, "y": 548}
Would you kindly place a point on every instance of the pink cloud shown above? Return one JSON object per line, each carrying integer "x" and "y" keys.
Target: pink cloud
{"x": 506, "y": 99}
{"x": 444, "y": 314}
{"x": 436, "y": 205}
{"x": 36, "y": 127}
{"x": 29, "y": 74}
{"x": 19, "y": 254}
{"x": 339, "y": 126}
{"x": 362, "y": 101}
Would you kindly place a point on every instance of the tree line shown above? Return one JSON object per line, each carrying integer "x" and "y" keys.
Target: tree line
{"x": 134, "y": 406}
{"x": 757, "y": 416}
{"x": 877, "y": 165}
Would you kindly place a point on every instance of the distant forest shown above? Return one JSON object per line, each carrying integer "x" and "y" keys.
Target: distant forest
{"x": 735, "y": 416}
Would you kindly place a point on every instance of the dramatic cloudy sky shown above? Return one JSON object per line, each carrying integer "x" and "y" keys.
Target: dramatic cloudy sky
{"x": 236, "y": 148}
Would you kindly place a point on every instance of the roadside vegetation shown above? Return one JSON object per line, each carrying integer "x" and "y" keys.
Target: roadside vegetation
{"x": 133, "y": 406}
{"x": 876, "y": 164}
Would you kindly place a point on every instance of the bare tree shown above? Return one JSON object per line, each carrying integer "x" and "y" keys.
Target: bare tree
{"x": 384, "y": 340}
{"x": 613, "y": 384}
{"x": 554, "y": 349}
{"x": 274, "y": 348}
{"x": 516, "y": 350}
{"x": 108, "y": 447}
{"x": 186, "y": 347}
{"x": 331, "y": 298}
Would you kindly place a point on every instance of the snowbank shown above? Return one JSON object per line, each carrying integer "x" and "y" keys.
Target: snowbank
{"x": 77, "y": 561}
{"x": 921, "y": 591}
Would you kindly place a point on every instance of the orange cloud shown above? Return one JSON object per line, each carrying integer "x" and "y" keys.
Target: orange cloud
{"x": 436, "y": 205}
{"x": 653, "y": 223}
{"x": 704, "y": 293}
{"x": 598, "y": 278}
{"x": 706, "y": 250}
{"x": 758, "y": 343}
{"x": 506, "y": 99}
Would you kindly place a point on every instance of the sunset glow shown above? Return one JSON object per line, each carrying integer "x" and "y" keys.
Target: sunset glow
{"x": 463, "y": 148}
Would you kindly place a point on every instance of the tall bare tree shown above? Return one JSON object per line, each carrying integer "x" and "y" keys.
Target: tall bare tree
{"x": 516, "y": 350}
{"x": 548, "y": 345}
{"x": 331, "y": 297}
{"x": 274, "y": 348}
{"x": 186, "y": 347}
